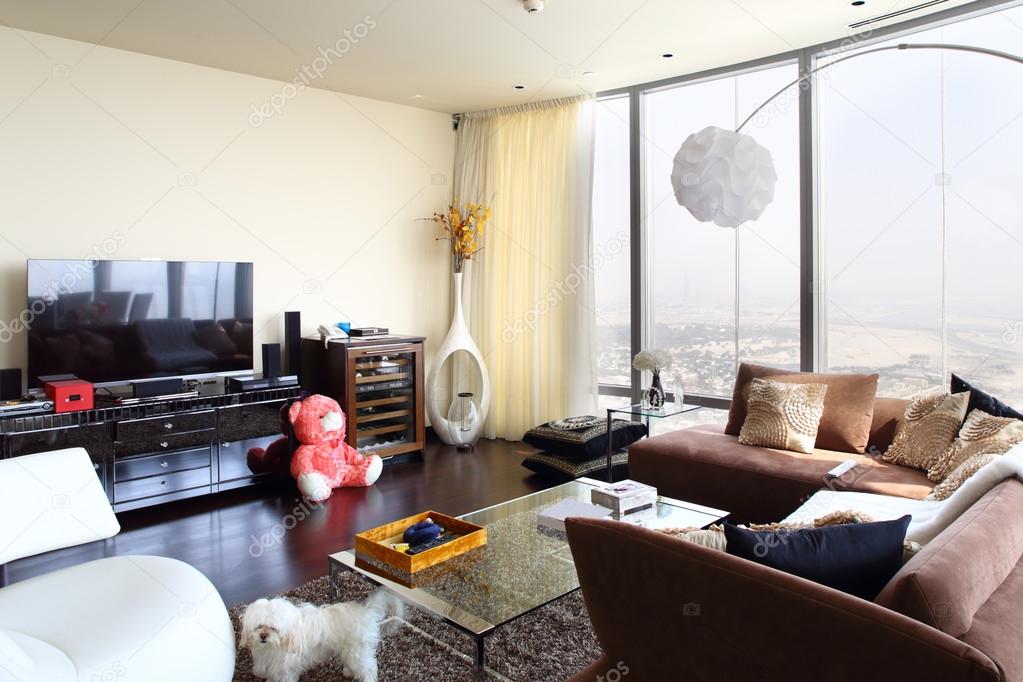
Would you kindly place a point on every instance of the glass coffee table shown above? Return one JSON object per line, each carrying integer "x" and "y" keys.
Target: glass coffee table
{"x": 520, "y": 569}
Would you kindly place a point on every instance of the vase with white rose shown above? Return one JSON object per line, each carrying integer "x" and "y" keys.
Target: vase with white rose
{"x": 653, "y": 361}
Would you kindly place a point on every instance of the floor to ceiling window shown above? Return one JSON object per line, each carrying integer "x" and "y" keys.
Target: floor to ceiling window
{"x": 920, "y": 210}
{"x": 720, "y": 295}
{"x": 611, "y": 242}
{"x": 918, "y": 227}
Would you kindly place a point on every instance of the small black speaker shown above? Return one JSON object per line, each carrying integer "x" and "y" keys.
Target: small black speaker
{"x": 293, "y": 341}
{"x": 10, "y": 384}
{"x": 271, "y": 360}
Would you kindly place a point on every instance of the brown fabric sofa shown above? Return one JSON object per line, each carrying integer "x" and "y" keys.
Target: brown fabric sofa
{"x": 666, "y": 609}
{"x": 704, "y": 465}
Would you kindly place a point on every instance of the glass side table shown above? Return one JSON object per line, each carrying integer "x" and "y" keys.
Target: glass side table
{"x": 637, "y": 410}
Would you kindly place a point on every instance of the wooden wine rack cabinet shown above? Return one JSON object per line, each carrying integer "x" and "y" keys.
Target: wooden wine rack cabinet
{"x": 379, "y": 384}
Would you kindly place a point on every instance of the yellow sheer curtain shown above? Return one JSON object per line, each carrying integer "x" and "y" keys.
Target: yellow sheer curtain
{"x": 529, "y": 293}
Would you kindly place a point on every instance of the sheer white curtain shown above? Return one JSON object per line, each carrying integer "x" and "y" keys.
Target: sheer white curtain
{"x": 529, "y": 293}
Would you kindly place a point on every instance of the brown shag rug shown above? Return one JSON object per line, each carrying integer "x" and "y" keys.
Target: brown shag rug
{"x": 552, "y": 643}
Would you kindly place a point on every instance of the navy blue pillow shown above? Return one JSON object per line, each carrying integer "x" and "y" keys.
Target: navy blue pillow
{"x": 979, "y": 400}
{"x": 857, "y": 558}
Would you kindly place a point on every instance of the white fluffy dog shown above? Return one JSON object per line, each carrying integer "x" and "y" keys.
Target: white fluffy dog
{"x": 287, "y": 639}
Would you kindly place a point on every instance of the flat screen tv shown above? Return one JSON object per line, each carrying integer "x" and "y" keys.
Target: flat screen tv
{"x": 117, "y": 321}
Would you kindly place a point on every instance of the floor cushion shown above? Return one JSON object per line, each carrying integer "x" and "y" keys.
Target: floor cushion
{"x": 562, "y": 469}
{"x": 585, "y": 442}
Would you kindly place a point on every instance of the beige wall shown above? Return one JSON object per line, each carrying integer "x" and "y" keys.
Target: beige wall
{"x": 170, "y": 159}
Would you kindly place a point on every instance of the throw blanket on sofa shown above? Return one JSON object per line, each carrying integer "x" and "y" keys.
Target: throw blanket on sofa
{"x": 930, "y": 517}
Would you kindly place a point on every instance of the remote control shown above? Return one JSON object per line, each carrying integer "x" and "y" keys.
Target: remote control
{"x": 843, "y": 468}
{"x": 436, "y": 542}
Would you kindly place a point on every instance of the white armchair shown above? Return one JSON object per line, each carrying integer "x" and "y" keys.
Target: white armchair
{"x": 125, "y": 618}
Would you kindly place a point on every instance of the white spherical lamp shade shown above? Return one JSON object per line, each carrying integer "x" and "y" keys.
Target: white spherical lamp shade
{"x": 723, "y": 177}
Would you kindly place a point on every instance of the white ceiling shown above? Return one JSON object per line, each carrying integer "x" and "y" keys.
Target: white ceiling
{"x": 456, "y": 55}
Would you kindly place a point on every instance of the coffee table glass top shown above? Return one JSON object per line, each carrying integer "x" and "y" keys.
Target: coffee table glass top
{"x": 520, "y": 568}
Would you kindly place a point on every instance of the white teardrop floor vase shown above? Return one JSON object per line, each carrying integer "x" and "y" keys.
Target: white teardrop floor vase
{"x": 723, "y": 177}
{"x": 457, "y": 339}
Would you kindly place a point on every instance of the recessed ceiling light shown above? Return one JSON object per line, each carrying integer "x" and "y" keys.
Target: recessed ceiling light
{"x": 589, "y": 74}
{"x": 417, "y": 96}
{"x": 520, "y": 87}
{"x": 668, "y": 55}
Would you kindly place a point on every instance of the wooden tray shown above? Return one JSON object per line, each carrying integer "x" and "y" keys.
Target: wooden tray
{"x": 375, "y": 544}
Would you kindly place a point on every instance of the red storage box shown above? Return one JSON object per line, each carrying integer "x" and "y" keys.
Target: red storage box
{"x": 72, "y": 395}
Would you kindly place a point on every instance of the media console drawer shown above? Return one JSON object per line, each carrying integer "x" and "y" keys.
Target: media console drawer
{"x": 166, "y": 425}
{"x": 161, "y": 485}
{"x": 164, "y": 443}
{"x": 159, "y": 465}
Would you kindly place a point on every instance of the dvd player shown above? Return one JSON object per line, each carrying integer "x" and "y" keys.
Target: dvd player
{"x": 245, "y": 384}
{"x": 12, "y": 408}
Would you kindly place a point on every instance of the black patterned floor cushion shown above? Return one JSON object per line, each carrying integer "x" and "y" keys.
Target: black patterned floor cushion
{"x": 583, "y": 438}
{"x": 561, "y": 469}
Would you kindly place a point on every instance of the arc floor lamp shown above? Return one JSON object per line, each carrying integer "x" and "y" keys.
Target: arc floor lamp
{"x": 728, "y": 178}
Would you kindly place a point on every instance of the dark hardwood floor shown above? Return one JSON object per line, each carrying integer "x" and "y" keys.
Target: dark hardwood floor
{"x": 262, "y": 541}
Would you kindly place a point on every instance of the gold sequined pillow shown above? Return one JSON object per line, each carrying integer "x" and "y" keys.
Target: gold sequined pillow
{"x": 783, "y": 416}
{"x": 927, "y": 430}
{"x": 982, "y": 434}
{"x": 959, "y": 476}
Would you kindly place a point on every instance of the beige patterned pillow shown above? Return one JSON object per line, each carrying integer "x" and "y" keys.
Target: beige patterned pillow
{"x": 959, "y": 476}
{"x": 928, "y": 429}
{"x": 982, "y": 434}
{"x": 784, "y": 416}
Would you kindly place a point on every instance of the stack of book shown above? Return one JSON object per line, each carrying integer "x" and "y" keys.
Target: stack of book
{"x": 553, "y": 518}
{"x": 624, "y": 497}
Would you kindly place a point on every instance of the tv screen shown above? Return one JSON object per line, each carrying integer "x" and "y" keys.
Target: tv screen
{"x": 115, "y": 321}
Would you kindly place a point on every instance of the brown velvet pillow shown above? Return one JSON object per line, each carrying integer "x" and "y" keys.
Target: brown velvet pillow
{"x": 848, "y": 404}
{"x": 888, "y": 414}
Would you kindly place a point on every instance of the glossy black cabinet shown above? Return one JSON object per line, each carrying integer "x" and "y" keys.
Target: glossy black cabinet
{"x": 160, "y": 452}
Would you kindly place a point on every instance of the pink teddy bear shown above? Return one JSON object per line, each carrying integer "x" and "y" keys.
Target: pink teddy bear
{"x": 324, "y": 460}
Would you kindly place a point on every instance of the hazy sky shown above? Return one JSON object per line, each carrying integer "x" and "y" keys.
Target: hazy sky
{"x": 891, "y": 125}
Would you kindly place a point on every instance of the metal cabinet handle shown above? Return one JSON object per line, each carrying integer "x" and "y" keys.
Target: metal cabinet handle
{"x": 163, "y": 483}
{"x": 164, "y": 463}
{"x": 164, "y": 444}
{"x": 95, "y": 465}
{"x": 168, "y": 426}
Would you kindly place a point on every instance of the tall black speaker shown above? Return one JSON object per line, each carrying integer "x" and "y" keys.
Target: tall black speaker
{"x": 293, "y": 341}
{"x": 271, "y": 360}
{"x": 10, "y": 384}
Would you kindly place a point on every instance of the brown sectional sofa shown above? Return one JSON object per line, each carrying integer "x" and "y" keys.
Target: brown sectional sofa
{"x": 704, "y": 465}
{"x": 666, "y": 609}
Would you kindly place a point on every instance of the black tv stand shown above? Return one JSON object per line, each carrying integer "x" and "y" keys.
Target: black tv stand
{"x": 159, "y": 451}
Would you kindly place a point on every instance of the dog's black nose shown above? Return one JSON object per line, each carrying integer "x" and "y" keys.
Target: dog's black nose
{"x": 262, "y": 637}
